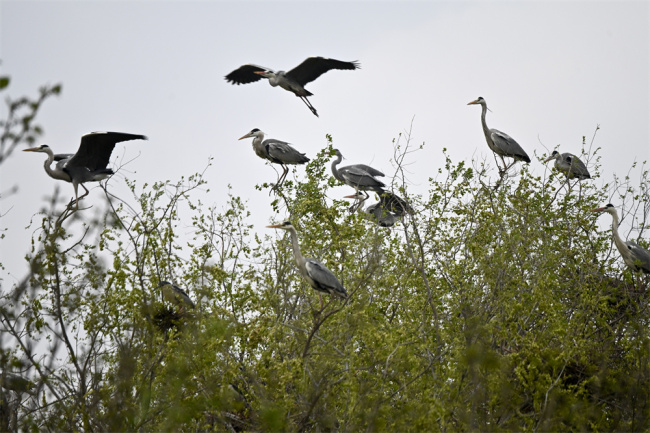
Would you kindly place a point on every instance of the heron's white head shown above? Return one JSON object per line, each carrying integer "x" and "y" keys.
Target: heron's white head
{"x": 283, "y": 226}
{"x": 609, "y": 208}
{"x": 42, "y": 149}
{"x": 254, "y": 133}
{"x": 554, "y": 155}
{"x": 478, "y": 100}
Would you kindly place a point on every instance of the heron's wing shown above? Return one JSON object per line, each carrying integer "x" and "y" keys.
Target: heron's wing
{"x": 284, "y": 152}
{"x": 395, "y": 203}
{"x": 507, "y": 145}
{"x": 314, "y": 67}
{"x": 95, "y": 149}
{"x": 640, "y": 256}
{"x": 371, "y": 171}
{"x": 245, "y": 74}
{"x": 182, "y": 294}
{"x": 324, "y": 278}
{"x": 575, "y": 166}
{"x": 355, "y": 175}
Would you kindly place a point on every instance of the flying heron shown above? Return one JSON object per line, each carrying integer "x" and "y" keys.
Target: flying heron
{"x": 570, "y": 165}
{"x": 317, "y": 275}
{"x": 90, "y": 161}
{"x": 276, "y": 151}
{"x": 295, "y": 80}
{"x": 360, "y": 177}
{"x": 635, "y": 257}
{"x": 500, "y": 143}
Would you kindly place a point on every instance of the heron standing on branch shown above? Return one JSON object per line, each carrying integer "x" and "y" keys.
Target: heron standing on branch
{"x": 276, "y": 151}
{"x": 317, "y": 275}
{"x": 635, "y": 257}
{"x": 295, "y": 80}
{"x": 90, "y": 161}
{"x": 174, "y": 294}
{"x": 570, "y": 165}
{"x": 500, "y": 143}
{"x": 360, "y": 177}
{"x": 390, "y": 208}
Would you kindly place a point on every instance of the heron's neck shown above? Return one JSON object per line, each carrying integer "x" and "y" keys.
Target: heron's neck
{"x": 486, "y": 130}
{"x": 48, "y": 162}
{"x": 622, "y": 248}
{"x": 335, "y": 172}
{"x": 296, "y": 247}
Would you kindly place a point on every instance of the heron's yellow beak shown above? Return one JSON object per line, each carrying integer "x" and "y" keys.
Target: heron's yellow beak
{"x": 275, "y": 226}
{"x": 32, "y": 149}
{"x": 473, "y": 102}
{"x": 246, "y": 136}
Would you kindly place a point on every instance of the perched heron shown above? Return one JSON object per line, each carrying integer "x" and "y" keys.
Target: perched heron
{"x": 500, "y": 143}
{"x": 174, "y": 294}
{"x": 635, "y": 257}
{"x": 570, "y": 165}
{"x": 90, "y": 161}
{"x": 317, "y": 275}
{"x": 295, "y": 80}
{"x": 14, "y": 382}
{"x": 276, "y": 151}
{"x": 360, "y": 177}
{"x": 388, "y": 210}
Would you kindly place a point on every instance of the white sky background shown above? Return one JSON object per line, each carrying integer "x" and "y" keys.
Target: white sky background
{"x": 550, "y": 72}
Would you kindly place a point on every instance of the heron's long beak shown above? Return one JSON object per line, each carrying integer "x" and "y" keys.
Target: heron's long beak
{"x": 548, "y": 159}
{"x": 473, "y": 102}
{"x": 246, "y": 136}
{"x": 260, "y": 72}
{"x": 32, "y": 149}
{"x": 275, "y": 226}
{"x": 351, "y": 196}
{"x": 598, "y": 209}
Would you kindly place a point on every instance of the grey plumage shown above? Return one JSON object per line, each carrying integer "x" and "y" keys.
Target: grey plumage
{"x": 174, "y": 294}
{"x": 361, "y": 177}
{"x": 90, "y": 162}
{"x": 276, "y": 151}
{"x": 570, "y": 165}
{"x": 293, "y": 81}
{"x": 499, "y": 142}
{"x": 390, "y": 208}
{"x": 634, "y": 256}
{"x": 319, "y": 277}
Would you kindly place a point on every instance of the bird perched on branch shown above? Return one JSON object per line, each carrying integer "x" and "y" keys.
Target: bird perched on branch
{"x": 317, "y": 275}
{"x": 634, "y": 256}
{"x": 295, "y": 80}
{"x": 361, "y": 177}
{"x": 276, "y": 151}
{"x": 570, "y": 165}
{"x": 174, "y": 294}
{"x": 390, "y": 208}
{"x": 499, "y": 142}
{"x": 90, "y": 161}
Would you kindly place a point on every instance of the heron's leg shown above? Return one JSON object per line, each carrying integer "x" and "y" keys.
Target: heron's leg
{"x": 284, "y": 175}
{"x": 311, "y": 107}
{"x": 87, "y": 192}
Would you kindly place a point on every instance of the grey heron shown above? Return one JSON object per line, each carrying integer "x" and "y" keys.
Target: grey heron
{"x": 317, "y": 275}
{"x": 500, "y": 143}
{"x": 635, "y": 257}
{"x": 388, "y": 210}
{"x": 570, "y": 165}
{"x": 175, "y": 295}
{"x": 276, "y": 151}
{"x": 14, "y": 382}
{"x": 90, "y": 161}
{"x": 295, "y": 80}
{"x": 360, "y": 177}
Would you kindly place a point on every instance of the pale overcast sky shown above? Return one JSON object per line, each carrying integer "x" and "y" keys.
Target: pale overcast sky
{"x": 550, "y": 72}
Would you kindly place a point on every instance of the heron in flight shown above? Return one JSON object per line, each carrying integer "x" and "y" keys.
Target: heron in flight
{"x": 175, "y": 295}
{"x": 570, "y": 165}
{"x": 360, "y": 177}
{"x": 635, "y": 257}
{"x": 276, "y": 151}
{"x": 390, "y": 208}
{"x": 317, "y": 275}
{"x": 500, "y": 143}
{"x": 295, "y": 80}
{"x": 90, "y": 161}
